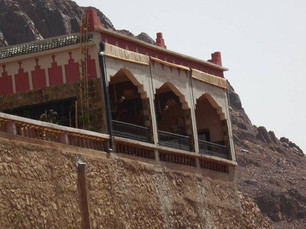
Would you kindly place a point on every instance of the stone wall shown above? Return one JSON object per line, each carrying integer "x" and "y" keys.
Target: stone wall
{"x": 40, "y": 189}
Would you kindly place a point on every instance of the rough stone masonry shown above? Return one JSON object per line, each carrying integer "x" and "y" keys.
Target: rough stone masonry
{"x": 40, "y": 189}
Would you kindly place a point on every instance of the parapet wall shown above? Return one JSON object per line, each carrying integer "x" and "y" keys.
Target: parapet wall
{"x": 41, "y": 188}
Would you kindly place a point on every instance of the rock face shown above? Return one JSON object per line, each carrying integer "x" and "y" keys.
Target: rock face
{"x": 251, "y": 213}
{"x": 145, "y": 37}
{"x": 28, "y": 20}
{"x": 3, "y": 42}
{"x": 271, "y": 171}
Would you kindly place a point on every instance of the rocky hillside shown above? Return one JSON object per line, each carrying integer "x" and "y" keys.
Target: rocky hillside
{"x": 271, "y": 171}
{"x": 27, "y": 20}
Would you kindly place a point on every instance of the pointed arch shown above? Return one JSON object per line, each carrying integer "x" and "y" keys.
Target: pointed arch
{"x": 173, "y": 116}
{"x": 211, "y": 127}
{"x": 129, "y": 106}
{"x": 124, "y": 72}
{"x": 177, "y": 92}
{"x": 213, "y": 103}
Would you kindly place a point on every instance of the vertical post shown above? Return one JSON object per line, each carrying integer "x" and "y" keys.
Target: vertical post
{"x": 153, "y": 112}
{"x": 64, "y": 138}
{"x": 70, "y": 119}
{"x": 76, "y": 113}
{"x": 147, "y": 118}
{"x": 156, "y": 153}
{"x": 232, "y": 152}
{"x": 189, "y": 128}
{"x": 192, "y": 113}
{"x": 84, "y": 193}
{"x": 106, "y": 98}
{"x": 11, "y": 128}
{"x": 193, "y": 119}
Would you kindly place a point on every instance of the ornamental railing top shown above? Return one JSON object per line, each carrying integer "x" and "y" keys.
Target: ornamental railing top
{"x": 47, "y": 125}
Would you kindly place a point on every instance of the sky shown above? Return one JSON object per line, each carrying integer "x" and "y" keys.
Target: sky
{"x": 262, "y": 42}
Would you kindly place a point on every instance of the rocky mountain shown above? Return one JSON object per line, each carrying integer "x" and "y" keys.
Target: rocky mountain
{"x": 271, "y": 171}
{"x": 28, "y": 20}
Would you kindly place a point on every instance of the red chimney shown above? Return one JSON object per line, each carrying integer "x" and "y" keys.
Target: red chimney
{"x": 160, "y": 40}
{"x": 93, "y": 20}
{"x": 216, "y": 58}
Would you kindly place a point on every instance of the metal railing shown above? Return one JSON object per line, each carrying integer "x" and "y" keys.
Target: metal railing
{"x": 131, "y": 131}
{"x": 176, "y": 141}
{"x": 213, "y": 149}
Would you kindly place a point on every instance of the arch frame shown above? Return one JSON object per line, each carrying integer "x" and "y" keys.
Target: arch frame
{"x": 136, "y": 73}
{"x": 177, "y": 92}
{"x": 214, "y": 104}
{"x": 217, "y": 97}
{"x": 176, "y": 80}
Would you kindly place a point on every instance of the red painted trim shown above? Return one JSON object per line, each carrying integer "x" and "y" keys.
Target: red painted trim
{"x": 161, "y": 55}
{"x": 6, "y": 83}
{"x": 93, "y": 20}
{"x": 72, "y": 70}
{"x": 55, "y": 73}
{"x": 22, "y": 80}
{"x": 38, "y": 77}
{"x": 91, "y": 64}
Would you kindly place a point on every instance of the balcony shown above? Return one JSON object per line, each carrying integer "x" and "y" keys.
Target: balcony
{"x": 42, "y": 132}
{"x": 171, "y": 140}
{"x": 131, "y": 131}
{"x": 176, "y": 141}
{"x": 213, "y": 149}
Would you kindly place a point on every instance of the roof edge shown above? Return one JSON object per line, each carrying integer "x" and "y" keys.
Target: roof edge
{"x": 145, "y": 44}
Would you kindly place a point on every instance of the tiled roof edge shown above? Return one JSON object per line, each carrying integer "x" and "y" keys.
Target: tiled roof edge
{"x": 43, "y": 45}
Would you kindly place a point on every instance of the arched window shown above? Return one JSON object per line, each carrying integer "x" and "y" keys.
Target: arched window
{"x": 173, "y": 130}
{"x": 212, "y": 131}
{"x": 127, "y": 108}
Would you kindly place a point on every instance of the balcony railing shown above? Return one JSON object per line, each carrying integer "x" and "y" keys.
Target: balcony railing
{"x": 176, "y": 141}
{"x": 213, "y": 149}
{"x": 131, "y": 131}
{"x": 48, "y": 132}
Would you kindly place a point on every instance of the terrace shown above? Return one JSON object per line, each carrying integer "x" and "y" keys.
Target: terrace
{"x": 11, "y": 125}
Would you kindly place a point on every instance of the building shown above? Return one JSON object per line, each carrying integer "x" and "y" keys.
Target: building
{"x": 144, "y": 99}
